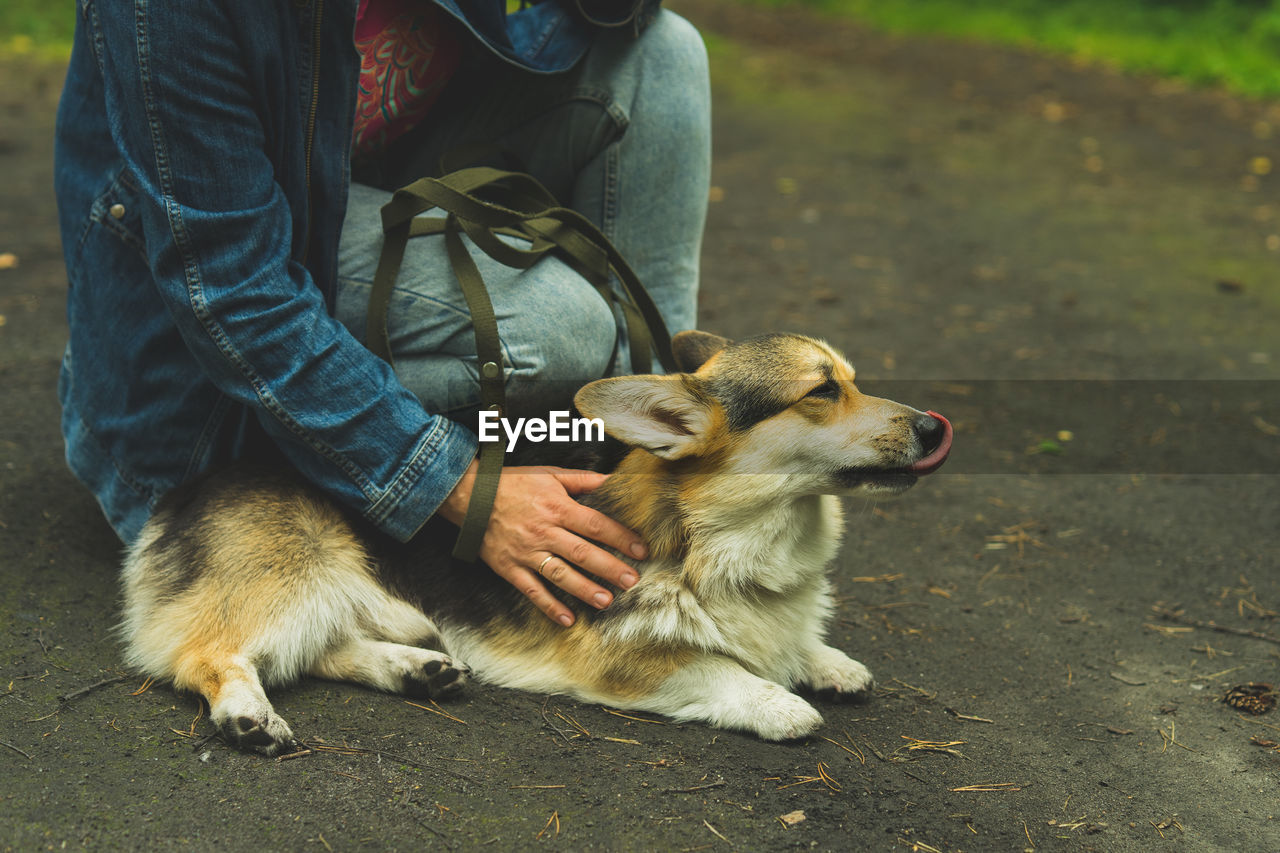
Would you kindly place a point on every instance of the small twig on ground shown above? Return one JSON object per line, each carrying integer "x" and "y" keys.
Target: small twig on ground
{"x": 716, "y": 833}
{"x": 1257, "y": 722}
{"x": 535, "y": 787}
{"x": 826, "y": 777}
{"x": 1178, "y": 616}
{"x": 953, "y": 712}
{"x": 917, "y": 745}
{"x": 437, "y": 833}
{"x": 202, "y": 742}
{"x": 1168, "y": 630}
{"x": 1171, "y": 739}
{"x": 54, "y": 713}
{"x": 436, "y": 710}
{"x": 555, "y": 816}
{"x": 21, "y": 752}
{"x": 1015, "y": 535}
{"x": 862, "y": 758}
{"x": 76, "y": 694}
{"x": 919, "y": 690}
{"x": 41, "y": 677}
{"x": 1107, "y": 784}
{"x": 1120, "y": 678}
{"x": 800, "y": 780}
{"x": 630, "y": 717}
{"x": 359, "y": 750}
{"x": 553, "y": 726}
{"x": 988, "y": 787}
{"x": 199, "y": 716}
{"x": 695, "y": 789}
{"x": 580, "y": 729}
{"x": 1115, "y": 730}
{"x": 455, "y": 774}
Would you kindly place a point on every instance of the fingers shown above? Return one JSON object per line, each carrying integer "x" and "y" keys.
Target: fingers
{"x": 527, "y": 581}
{"x": 552, "y": 569}
{"x": 599, "y": 527}
{"x": 556, "y": 570}
{"x": 589, "y": 557}
{"x": 533, "y": 589}
{"x": 538, "y": 535}
{"x": 577, "y": 481}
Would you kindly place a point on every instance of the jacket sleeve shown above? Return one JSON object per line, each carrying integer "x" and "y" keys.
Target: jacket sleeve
{"x": 191, "y": 115}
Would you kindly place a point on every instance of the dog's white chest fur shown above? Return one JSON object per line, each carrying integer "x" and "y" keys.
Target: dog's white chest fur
{"x": 754, "y": 592}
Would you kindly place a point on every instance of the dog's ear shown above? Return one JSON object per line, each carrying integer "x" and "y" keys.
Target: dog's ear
{"x": 662, "y": 414}
{"x": 693, "y": 348}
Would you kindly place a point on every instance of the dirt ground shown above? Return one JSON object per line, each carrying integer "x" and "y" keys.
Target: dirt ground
{"x": 1081, "y": 269}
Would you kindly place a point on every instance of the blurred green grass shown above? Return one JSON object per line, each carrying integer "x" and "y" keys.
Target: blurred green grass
{"x": 40, "y": 28}
{"x": 1229, "y": 43}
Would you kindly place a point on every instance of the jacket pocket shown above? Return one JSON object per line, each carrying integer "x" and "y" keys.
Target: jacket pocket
{"x": 118, "y": 211}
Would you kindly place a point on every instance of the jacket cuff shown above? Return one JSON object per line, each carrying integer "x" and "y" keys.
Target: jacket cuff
{"x": 442, "y": 457}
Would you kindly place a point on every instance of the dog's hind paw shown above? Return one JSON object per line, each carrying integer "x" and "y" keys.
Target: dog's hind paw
{"x": 436, "y": 678}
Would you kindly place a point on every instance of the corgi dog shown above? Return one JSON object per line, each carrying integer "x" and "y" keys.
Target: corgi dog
{"x": 252, "y": 578}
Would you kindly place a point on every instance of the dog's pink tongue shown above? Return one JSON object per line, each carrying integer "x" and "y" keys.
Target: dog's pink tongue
{"x": 934, "y": 460}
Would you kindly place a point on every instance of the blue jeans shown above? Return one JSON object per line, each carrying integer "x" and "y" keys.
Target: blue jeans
{"x": 624, "y": 140}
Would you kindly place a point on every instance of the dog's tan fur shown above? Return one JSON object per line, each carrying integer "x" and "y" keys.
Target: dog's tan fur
{"x": 251, "y": 580}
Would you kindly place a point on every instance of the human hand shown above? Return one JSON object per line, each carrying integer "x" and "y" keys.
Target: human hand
{"x": 537, "y": 528}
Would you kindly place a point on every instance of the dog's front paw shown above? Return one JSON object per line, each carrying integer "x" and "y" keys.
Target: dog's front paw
{"x": 833, "y": 674}
{"x": 437, "y": 677}
{"x": 780, "y": 715}
{"x": 258, "y": 730}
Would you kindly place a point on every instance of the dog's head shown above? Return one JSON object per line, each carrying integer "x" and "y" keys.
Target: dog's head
{"x": 781, "y": 407}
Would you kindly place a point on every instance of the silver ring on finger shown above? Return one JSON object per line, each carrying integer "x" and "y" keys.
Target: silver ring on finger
{"x": 543, "y": 564}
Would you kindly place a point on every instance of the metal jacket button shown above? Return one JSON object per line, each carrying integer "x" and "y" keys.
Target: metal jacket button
{"x": 116, "y": 211}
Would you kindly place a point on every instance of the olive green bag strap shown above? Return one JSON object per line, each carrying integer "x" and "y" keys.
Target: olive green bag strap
{"x": 487, "y": 204}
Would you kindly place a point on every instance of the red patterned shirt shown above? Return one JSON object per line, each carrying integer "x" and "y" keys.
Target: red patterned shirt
{"x": 408, "y": 51}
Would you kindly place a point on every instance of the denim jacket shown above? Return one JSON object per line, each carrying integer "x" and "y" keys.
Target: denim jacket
{"x": 201, "y": 170}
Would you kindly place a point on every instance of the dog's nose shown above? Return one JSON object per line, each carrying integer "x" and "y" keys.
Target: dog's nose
{"x": 930, "y": 431}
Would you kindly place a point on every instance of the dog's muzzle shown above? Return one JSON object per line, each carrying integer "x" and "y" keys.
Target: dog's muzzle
{"x": 935, "y": 433}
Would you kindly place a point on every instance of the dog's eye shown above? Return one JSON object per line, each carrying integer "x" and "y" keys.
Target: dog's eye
{"x": 829, "y": 390}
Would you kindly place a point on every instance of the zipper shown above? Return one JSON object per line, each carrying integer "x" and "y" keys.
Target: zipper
{"x": 311, "y": 121}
